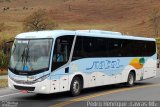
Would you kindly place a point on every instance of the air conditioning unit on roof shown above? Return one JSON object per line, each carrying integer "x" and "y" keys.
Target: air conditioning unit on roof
{"x": 101, "y": 31}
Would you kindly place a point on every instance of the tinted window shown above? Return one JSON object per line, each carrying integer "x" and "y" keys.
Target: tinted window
{"x": 86, "y": 47}
{"x": 114, "y": 47}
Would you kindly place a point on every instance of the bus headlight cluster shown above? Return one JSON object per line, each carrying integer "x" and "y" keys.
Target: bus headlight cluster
{"x": 41, "y": 78}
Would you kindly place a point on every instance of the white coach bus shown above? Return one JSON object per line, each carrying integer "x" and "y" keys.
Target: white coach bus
{"x": 61, "y": 60}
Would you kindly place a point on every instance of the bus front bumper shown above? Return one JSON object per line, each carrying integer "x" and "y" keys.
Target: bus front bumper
{"x": 42, "y": 87}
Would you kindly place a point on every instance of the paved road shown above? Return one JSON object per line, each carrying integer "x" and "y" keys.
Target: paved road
{"x": 147, "y": 90}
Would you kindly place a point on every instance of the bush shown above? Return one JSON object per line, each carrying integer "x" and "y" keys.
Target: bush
{"x": 4, "y": 60}
{"x": 5, "y": 47}
{"x": 38, "y": 21}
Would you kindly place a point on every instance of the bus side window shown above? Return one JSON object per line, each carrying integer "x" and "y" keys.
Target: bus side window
{"x": 58, "y": 52}
{"x": 78, "y": 52}
{"x": 62, "y": 51}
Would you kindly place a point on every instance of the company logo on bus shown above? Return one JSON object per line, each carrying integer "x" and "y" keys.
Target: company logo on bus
{"x": 137, "y": 63}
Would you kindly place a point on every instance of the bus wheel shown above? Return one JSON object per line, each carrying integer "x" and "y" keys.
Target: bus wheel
{"x": 76, "y": 86}
{"x": 131, "y": 79}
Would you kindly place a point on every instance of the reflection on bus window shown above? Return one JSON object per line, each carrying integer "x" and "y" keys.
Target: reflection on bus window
{"x": 62, "y": 51}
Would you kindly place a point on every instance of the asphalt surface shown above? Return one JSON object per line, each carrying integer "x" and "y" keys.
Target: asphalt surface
{"x": 146, "y": 90}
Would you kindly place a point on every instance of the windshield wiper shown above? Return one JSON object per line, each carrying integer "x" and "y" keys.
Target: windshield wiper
{"x": 22, "y": 55}
{"x": 27, "y": 56}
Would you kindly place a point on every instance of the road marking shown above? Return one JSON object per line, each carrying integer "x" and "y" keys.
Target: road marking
{"x": 100, "y": 94}
{"x": 10, "y": 94}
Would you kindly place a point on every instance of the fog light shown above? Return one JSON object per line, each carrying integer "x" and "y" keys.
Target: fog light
{"x": 43, "y": 88}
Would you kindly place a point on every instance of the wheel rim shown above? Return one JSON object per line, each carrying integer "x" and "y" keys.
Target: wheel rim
{"x": 76, "y": 86}
{"x": 131, "y": 79}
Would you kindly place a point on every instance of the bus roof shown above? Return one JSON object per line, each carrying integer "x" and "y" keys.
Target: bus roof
{"x": 90, "y": 33}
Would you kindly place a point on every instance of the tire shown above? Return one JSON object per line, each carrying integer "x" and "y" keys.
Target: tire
{"x": 131, "y": 79}
{"x": 76, "y": 86}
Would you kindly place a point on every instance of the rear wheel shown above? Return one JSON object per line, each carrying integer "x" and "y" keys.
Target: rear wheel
{"x": 131, "y": 79}
{"x": 76, "y": 86}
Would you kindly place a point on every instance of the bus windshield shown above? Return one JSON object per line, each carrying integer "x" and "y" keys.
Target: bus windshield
{"x": 30, "y": 55}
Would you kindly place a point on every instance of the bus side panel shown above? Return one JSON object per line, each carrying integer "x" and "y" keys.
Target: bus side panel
{"x": 104, "y": 71}
{"x": 149, "y": 68}
{"x": 59, "y": 80}
{"x": 55, "y": 83}
{"x": 100, "y": 71}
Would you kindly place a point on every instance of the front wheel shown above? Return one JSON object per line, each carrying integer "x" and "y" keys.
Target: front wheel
{"x": 131, "y": 79}
{"x": 76, "y": 86}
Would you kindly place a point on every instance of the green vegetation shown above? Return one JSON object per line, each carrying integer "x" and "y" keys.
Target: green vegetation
{"x": 4, "y": 56}
{"x": 3, "y": 83}
{"x": 158, "y": 40}
{"x": 3, "y": 60}
{"x": 38, "y": 20}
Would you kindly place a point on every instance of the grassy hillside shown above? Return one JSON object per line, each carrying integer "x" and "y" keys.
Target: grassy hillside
{"x": 126, "y": 16}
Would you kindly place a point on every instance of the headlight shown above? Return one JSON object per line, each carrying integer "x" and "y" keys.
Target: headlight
{"x": 42, "y": 78}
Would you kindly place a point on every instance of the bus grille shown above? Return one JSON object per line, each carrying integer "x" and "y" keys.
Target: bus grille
{"x": 22, "y": 81}
{"x": 24, "y": 88}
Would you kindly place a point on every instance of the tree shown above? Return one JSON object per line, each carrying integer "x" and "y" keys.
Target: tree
{"x": 155, "y": 21}
{"x": 38, "y": 20}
